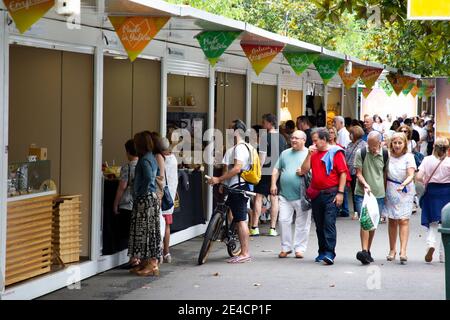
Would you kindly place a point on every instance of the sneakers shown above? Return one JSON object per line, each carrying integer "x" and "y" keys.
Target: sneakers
{"x": 319, "y": 258}
{"x": 363, "y": 257}
{"x": 254, "y": 232}
{"x": 273, "y": 232}
{"x": 370, "y": 257}
{"x": 328, "y": 260}
{"x": 167, "y": 258}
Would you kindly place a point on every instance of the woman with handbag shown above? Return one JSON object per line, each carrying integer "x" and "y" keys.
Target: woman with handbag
{"x": 434, "y": 172}
{"x": 399, "y": 194}
{"x": 145, "y": 234}
{"x": 171, "y": 174}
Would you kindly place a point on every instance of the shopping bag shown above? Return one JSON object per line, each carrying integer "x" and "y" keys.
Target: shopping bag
{"x": 370, "y": 213}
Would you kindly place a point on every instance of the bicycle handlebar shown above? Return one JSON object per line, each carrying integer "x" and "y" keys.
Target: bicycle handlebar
{"x": 247, "y": 193}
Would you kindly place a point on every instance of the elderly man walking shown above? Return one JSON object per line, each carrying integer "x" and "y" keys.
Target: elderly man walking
{"x": 343, "y": 137}
{"x": 371, "y": 165}
{"x": 292, "y": 197}
{"x": 330, "y": 175}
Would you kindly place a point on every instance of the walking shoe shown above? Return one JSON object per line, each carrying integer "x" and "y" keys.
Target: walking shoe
{"x": 254, "y": 232}
{"x": 273, "y": 232}
{"x": 429, "y": 255}
{"x": 363, "y": 257}
{"x": 370, "y": 257}
{"x": 328, "y": 260}
{"x": 319, "y": 258}
{"x": 299, "y": 255}
{"x": 284, "y": 254}
{"x": 167, "y": 258}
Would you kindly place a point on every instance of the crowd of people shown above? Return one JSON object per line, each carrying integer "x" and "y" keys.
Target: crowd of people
{"x": 309, "y": 174}
{"x": 317, "y": 171}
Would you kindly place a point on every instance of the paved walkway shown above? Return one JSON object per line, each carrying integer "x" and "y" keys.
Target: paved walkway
{"x": 269, "y": 277}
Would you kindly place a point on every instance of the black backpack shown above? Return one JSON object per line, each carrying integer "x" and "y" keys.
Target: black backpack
{"x": 385, "y": 156}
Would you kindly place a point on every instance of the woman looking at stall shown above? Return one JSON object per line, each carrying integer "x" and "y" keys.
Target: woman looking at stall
{"x": 434, "y": 173}
{"x": 145, "y": 234}
{"x": 399, "y": 194}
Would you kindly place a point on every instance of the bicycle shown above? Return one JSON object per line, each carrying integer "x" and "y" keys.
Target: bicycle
{"x": 219, "y": 229}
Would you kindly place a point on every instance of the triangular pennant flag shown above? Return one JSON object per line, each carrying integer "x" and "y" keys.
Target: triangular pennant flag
{"x": 414, "y": 91}
{"x": 387, "y": 87}
{"x": 328, "y": 67}
{"x": 300, "y": 61}
{"x": 408, "y": 88}
{"x": 136, "y": 32}
{"x": 214, "y": 43}
{"x": 260, "y": 55}
{"x": 429, "y": 91}
{"x": 25, "y": 13}
{"x": 350, "y": 78}
{"x": 421, "y": 92}
{"x": 370, "y": 76}
{"x": 366, "y": 92}
{"x": 397, "y": 81}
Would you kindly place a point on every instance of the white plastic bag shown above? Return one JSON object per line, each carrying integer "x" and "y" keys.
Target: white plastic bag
{"x": 370, "y": 213}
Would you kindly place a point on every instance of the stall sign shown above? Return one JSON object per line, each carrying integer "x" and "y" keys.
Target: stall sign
{"x": 260, "y": 56}
{"x": 214, "y": 43}
{"x": 328, "y": 67}
{"x": 136, "y": 32}
{"x": 300, "y": 61}
{"x": 366, "y": 92}
{"x": 370, "y": 76}
{"x": 349, "y": 79}
{"x": 25, "y": 13}
{"x": 428, "y": 10}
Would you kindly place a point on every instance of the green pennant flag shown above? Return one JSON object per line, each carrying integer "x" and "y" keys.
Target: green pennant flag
{"x": 387, "y": 87}
{"x": 328, "y": 67}
{"x": 214, "y": 43}
{"x": 299, "y": 61}
{"x": 421, "y": 92}
{"x": 408, "y": 88}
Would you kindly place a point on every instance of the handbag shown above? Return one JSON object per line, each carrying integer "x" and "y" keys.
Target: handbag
{"x": 422, "y": 198}
{"x": 167, "y": 201}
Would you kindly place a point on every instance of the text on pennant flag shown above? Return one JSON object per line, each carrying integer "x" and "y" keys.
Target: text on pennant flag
{"x": 370, "y": 76}
{"x": 136, "y": 32}
{"x": 260, "y": 56}
{"x": 214, "y": 43}
{"x": 300, "y": 61}
{"x": 328, "y": 67}
{"x": 350, "y": 78}
{"x": 25, "y": 13}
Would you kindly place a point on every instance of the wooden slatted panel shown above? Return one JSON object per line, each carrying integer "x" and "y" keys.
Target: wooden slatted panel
{"x": 29, "y": 238}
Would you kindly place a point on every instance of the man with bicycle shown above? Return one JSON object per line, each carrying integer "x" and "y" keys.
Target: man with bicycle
{"x": 237, "y": 159}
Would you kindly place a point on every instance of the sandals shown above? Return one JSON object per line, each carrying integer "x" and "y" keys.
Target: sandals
{"x": 390, "y": 257}
{"x": 239, "y": 259}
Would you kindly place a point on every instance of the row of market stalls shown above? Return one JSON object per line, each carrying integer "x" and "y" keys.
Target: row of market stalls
{"x": 70, "y": 97}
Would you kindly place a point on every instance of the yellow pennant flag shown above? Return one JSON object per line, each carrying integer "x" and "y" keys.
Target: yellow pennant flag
{"x": 350, "y": 78}
{"x": 25, "y": 13}
{"x": 136, "y": 32}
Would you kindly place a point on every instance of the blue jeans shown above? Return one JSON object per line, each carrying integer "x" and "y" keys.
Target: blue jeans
{"x": 324, "y": 212}
{"x": 344, "y": 212}
{"x": 359, "y": 201}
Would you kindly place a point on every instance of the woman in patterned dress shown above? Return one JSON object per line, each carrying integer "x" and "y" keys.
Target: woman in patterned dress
{"x": 399, "y": 194}
{"x": 145, "y": 234}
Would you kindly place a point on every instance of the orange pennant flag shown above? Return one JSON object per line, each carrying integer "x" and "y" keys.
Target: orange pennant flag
{"x": 260, "y": 56}
{"x": 350, "y": 78}
{"x": 25, "y": 13}
{"x": 366, "y": 92}
{"x": 136, "y": 32}
{"x": 397, "y": 81}
{"x": 414, "y": 91}
{"x": 370, "y": 76}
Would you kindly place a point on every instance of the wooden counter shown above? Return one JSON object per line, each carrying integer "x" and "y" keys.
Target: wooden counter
{"x": 29, "y": 236}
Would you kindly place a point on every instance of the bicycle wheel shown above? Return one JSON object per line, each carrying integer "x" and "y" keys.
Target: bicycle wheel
{"x": 212, "y": 230}
{"x": 233, "y": 243}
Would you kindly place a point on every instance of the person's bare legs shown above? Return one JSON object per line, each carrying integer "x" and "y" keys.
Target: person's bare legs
{"x": 257, "y": 210}
{"x": 393, "y": 229}
{"x": 273, "y": 211}
{"x": 166, "y": 239}
{"x": 404, "y": 235}
{"x": 243, "y": 235}
{"x": 366, "y": 239}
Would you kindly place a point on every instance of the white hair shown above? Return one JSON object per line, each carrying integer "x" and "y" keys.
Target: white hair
{"x": 340, "y": 119}
{"x": 300, "y": 133}
{"x": 374, "y": 134}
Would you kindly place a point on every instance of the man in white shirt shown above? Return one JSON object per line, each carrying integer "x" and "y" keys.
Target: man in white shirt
{"x": 343, "y": 137}
{"x": 236, "y": 159}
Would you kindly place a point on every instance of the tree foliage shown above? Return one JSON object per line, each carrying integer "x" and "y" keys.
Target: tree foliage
{"x": 352, "y": 27}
